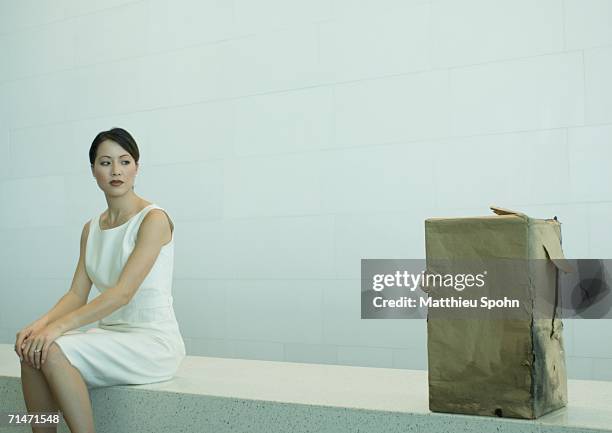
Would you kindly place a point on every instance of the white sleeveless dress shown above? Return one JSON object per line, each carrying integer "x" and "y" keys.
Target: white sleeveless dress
{"x": 140, "y": 342}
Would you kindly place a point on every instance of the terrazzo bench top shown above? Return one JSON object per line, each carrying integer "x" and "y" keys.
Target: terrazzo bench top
{"x": 286, "y": 396}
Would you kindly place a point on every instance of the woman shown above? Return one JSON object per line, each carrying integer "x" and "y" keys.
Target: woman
{"x": 128, "y": 253}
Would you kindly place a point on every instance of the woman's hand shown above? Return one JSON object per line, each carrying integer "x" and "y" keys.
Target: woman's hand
{"x": 33, "y": 328}
{"x": 36, "y": 346}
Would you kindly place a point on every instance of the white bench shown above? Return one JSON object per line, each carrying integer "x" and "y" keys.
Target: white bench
{"x": 235, "y": 395}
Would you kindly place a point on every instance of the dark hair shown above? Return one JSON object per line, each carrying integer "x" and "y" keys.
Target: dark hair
{"x": 119, "y": 136}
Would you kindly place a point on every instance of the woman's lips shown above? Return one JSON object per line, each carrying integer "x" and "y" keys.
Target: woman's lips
{"x": 116, "y": 183}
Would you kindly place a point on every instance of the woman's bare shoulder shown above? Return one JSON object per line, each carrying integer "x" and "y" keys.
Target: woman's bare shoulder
{"x": 85, "y": 234}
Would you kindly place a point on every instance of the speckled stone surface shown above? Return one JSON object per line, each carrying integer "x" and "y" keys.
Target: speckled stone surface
{"x": 234, "y": 395}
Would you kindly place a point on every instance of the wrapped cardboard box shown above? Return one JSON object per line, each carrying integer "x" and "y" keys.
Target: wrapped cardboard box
{"x": 511, "y": 367}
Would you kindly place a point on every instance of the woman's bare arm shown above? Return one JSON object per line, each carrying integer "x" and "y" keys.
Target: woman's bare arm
{"x": 77, "y": 296}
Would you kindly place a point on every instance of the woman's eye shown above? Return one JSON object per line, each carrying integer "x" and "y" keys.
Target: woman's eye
{"x": 106, "y": 162}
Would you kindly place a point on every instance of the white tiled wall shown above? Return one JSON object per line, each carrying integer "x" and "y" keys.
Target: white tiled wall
{"x": 290, "y": 138}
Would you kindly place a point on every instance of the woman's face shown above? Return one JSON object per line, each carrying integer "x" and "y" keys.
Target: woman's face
{"x": 113, "y": 164}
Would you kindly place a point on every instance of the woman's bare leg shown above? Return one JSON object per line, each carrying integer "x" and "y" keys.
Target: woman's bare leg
{"x": 69, "y": 390}
{"x": 36, "y": 393}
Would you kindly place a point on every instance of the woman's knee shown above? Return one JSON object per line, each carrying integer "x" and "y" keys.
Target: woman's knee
{"x": 55, "y": 357}
{"x": 27, "y": 368}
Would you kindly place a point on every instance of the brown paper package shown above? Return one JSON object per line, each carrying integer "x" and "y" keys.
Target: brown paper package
{"x": 506, "y": 368}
